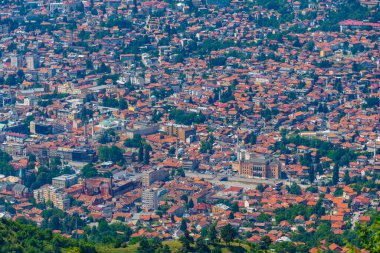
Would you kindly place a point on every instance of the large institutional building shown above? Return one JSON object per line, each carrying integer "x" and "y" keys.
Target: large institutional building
{"x": 64, "y": 181}
{"x": 152, "y": 176}
{"x": 260, "y": 166}
{"x": 181, "y": 131}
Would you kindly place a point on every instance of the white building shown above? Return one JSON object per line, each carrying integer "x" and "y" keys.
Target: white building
{"x": 150, "y": 199}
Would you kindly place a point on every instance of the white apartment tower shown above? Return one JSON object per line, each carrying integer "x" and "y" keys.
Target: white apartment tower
{"x": 150, "y": 199}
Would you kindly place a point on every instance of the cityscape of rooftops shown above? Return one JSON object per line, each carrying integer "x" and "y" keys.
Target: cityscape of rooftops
{"x": 190, "y": 126}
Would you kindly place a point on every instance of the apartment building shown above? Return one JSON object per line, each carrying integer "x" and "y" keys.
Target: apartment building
{"x": 59, "y": 198}
{"x": 150, "y": 199}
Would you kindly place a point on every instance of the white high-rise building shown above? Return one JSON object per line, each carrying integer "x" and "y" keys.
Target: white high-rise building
{"x": 16, "y": 61}
{"x": 32, "y": 61}
{"x": 150, "y": 199}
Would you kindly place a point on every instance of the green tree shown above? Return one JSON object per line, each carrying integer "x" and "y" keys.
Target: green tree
{"x": 21, "y": 237}
{"x": 164, "y": 249}
{"x": 213, "y": 233}
{"x": 251, "y": 138}
{"x": 5, "y": 168}
{"x": 294, "y": 189}
{"x": 54, "y": 223}
{"x": 183, "y": 226}
{"x": 108, "y": 136}
{"x": 216, "y": 249}
{"x": 146, "y": 156}
{"x": 338, "y": 192}
{"x": 12, "y": 46}
{"x": 310, "y": 45}
{"x": 122, "y": 104}
{"x": 263, "y": 217}
{"x": 260, "y": 188}
{"x": 104, "y": 68}
{"x": 144, "y": 246}
{"x": 253, "y": 248}
{"x": 141, "y": 154}
{"x": 113, "y": 153}
{"x": 186, "y": 241}
{"x": 11, "y": 80}
{"x": 346, "y": 178}
{"x": 191, "y": 203}
{"x": 265, "y": 242}
{"x": 369, "y": 236}
{"x": 186, "y": 118}
{"x": 89, "y": 64}
{"x": 235, "y": 207}
{"x": 89, "y": 171}
{"x": 228, "y": 234}
{"x": 181, "y": 172}
{"x": 201, "y": 247}
{"x": 335, "y": 177}
{"x": 311, "y": 174}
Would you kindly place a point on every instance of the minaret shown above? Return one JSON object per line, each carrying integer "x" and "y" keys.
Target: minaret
{"x": 85, "y": 132}
{"x": 374, "y": 153}
{"x": 328, "y": 123}
{"x": 92, "y": 129}
{"x": 62, "y": 162}
{"x": 176, "y": 148}
{"x": 237, "y": 147}
{"x": 111, "y": 190}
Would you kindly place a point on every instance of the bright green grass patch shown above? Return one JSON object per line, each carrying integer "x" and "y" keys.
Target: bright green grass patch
{"x": 174, "y": 246}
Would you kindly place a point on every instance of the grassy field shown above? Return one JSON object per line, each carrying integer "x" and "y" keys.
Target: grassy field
{"x": 174, "y": 246}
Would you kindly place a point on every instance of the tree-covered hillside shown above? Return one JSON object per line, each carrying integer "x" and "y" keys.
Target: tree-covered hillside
{"x": 18, "y": 237}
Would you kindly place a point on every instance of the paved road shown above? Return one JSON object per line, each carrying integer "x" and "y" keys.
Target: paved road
{"x": 246, "y": 183}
